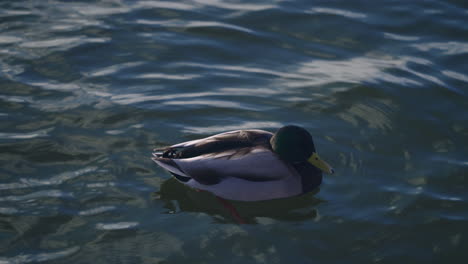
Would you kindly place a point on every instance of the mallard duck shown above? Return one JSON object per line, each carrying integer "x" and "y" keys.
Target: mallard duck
{"x": 247, "y": 165}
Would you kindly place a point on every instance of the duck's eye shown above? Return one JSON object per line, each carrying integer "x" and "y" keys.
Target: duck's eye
{"x": 316, "y": 158}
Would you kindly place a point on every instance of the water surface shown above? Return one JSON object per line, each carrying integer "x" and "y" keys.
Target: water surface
{"x": 88, "y": 88}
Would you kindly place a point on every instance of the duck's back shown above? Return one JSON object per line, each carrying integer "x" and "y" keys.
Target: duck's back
{"x": 232, "y": 140}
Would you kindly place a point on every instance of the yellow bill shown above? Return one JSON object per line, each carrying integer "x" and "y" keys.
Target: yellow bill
{"x": 319, "y": 163}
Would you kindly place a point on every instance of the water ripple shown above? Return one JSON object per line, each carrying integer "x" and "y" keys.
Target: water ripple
{"x": 456, "y": 75}
{"x": 223, "y": 128}
{"x": 446, "y": 48}
{"x": 164, "y": 4}
{"x": 34, "y": 134}
{"x": 377, "y": 115}
{"x": 96, "y": 10}
{"x": 97, "y": 210}
{"x": 339, "y": 12}
{"x": 54, "y": 180}
{"x": 139, "y": 98}
{"x": 212, "y": 103}
{"x": 400, "y": 37}
{"x": 114, "y": 69}
{"x": 63, "y": 43}
{"x": 234, "y": 6}
{"x": 10, "y": 13}
{"x": 451, "y": 161}
{"x": 195, "y": 24}
{"x": 41, "y": 257}
{"x": 9, "y": 39}
{"x": 116, "y": 226}
{"x": 242, "y": 69}
{"x": 167, "y": 76}
{"x": 8, "y": 210}
{"x": 204, "y": 99}
{"x": 355, "y": 70}
{"x": 36, "y": 196}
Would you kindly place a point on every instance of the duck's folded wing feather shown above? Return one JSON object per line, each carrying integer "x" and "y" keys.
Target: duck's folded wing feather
{"x": 243, "y": 154}
{"x": 250, "y": 164}
{"x": 218, "y": 143}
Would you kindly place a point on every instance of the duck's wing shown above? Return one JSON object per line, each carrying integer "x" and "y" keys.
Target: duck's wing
{"x": 243, "y": 154}
{"x": 254, "y": 164}
{"x": 216, "y": 144}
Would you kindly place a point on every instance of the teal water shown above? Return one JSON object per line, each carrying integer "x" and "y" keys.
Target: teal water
{"x": 88, "y": 89}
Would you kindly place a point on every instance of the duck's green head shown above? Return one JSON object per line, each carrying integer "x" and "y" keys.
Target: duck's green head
{"x": 295, "y": 144}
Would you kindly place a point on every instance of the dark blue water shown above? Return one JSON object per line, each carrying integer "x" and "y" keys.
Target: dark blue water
{"x": 88, "y": 89}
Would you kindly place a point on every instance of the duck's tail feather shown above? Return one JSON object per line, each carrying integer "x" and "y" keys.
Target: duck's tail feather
{"x": 158, "y": 153}
{"x": 171, "y": 166}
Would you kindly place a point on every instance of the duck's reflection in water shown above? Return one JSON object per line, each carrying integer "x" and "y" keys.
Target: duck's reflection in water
{"x": 178, "y": 197}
